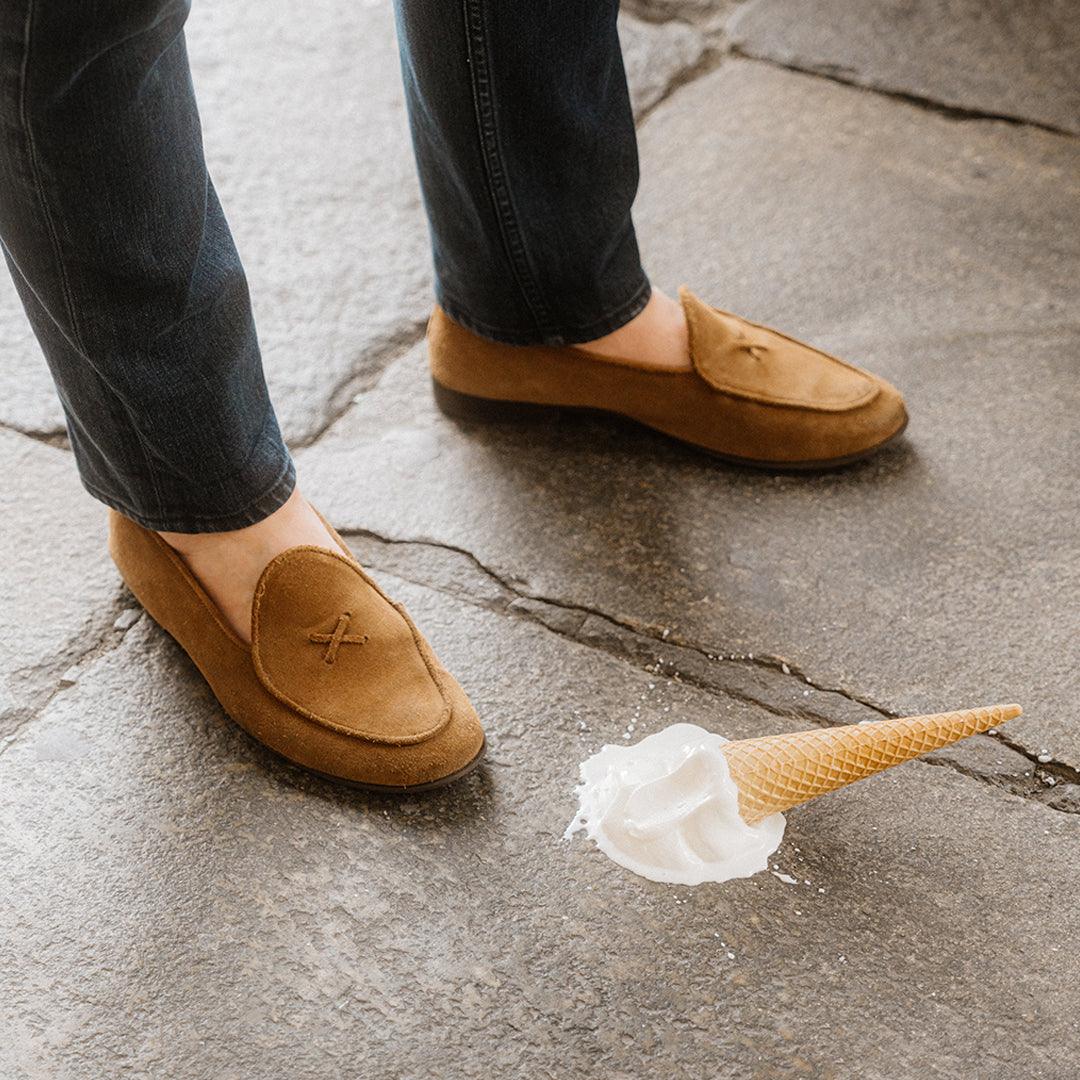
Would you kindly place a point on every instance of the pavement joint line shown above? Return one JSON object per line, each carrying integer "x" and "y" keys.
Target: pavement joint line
{"x": 57, "y": 439}
{"x": 1030, "y": 791}
{"x": 841, "y": 77}
{"x": 719, "y": 47}
{"x": 1060, "y": 770}
{"x": 343, "y": 394}
{"x": 109, "y": 639}
{"x": 711, "y": 58}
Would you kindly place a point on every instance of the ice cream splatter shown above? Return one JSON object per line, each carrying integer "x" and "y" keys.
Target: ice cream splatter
{"x": 667, "y": 809}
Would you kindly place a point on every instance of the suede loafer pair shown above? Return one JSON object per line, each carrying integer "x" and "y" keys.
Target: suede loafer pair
{"x": 752, "y": 395}
{"x": 338, "y": 679}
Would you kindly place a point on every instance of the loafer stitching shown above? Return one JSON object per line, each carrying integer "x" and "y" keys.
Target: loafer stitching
{"x": 264, "y": 677}
{"x": 338, "y": 637}
{"x": 736, "y": 390}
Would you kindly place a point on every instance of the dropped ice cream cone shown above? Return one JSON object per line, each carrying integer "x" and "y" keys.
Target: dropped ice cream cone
{"x": 778, "y": 772}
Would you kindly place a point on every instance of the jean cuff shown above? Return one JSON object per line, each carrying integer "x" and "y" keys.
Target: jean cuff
{"x": 608, "y": 323}
{"x": 262, "y": 506}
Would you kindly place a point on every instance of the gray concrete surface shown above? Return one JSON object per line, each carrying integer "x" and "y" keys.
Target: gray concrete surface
{"x": 937, "y": 253}
{"x": 179, "y": 903}
{"x": 1019, "y": 60}
{"x": 61, "y": 594}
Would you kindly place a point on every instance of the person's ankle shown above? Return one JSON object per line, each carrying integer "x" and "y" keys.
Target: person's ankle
{"x": 228, "y": 564}
{"x": 657, "y": 336}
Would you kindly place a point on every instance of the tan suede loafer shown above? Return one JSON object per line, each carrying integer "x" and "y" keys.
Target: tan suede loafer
{"x": 337, "y": 678}
{"x": 752, "y": 396}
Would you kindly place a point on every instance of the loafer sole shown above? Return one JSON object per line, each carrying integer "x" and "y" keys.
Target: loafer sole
{"x": 396, "y": 789}
{"x": 469, "y": 407}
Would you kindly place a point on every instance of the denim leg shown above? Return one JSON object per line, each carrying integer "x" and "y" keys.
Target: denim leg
{"x": 526, "y": 149}
{"x": 122, "y": 256}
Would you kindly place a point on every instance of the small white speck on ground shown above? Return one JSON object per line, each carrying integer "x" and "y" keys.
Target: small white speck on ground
{"x": 127, "y": 618}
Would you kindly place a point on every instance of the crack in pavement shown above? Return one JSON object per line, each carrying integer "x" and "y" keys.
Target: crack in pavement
{"x": 56, "y": 438}
{"x": 846, "y": 77}
{"x": 768, "y": 682}
{"x": 710, "y": 59}
{"x": 362, "y": 379}
{"x": 1061, "y": 771}
{"x": 53, "y": 671}
{"x": 719, "y": 46}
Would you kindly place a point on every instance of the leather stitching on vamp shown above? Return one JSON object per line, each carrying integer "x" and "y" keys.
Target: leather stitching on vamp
{"x": 304, "y": 551}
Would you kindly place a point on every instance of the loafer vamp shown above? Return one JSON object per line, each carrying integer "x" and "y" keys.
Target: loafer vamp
{"x": 757, "y": 363}
{"x": 329, "y": 644}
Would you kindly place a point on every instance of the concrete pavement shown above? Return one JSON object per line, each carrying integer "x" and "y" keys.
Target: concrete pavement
{"x": 179, "y": 903}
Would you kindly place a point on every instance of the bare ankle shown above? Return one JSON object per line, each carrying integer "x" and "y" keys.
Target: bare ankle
{"x": 657, "y": 335}
{"x": 229, "y": 564}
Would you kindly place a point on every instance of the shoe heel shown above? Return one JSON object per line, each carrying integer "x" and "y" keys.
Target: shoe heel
{"x": 459, "y": 406}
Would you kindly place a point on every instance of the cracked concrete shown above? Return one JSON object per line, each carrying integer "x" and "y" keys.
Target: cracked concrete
{"x": 932, "y": 577}
{"x": 989, "y": 58}
{"x": 61, "y": 592}
{"x": 199, "y": 909}
{"x": 184, "y": 904}
{"x": 845, "y": 77}
{"x": 775, "y": 684}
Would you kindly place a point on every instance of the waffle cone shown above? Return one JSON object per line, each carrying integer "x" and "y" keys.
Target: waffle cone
{"x": 778, "y": 772}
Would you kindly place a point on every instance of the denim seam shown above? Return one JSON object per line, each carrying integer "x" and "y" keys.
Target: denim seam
{"x": 54, "y": 237}
{"x": 494, "y": 166}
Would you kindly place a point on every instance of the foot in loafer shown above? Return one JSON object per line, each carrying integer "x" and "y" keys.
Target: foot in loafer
{"x": 740, "y": 390}
{"x": 303, "y": 650}
{"x": 228, "y": 564}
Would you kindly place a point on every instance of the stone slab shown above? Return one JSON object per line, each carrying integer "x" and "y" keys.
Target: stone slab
{"x": 993, "y": 56}
{"x": 939, "y": 254}
{"x": 180, "y": 903}
{"x": 307, "y": 141}
{"x": 61, "y": 591}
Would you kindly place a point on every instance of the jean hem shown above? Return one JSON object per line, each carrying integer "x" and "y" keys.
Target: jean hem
{"x": 575, "y": 335}
{"x": 253, "y": 512}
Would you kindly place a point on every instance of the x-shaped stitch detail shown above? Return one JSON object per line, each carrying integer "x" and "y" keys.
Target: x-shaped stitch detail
{"x": 333, "y": 641}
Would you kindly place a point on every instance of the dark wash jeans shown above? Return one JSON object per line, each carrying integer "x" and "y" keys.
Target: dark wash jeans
{"x": 120, "y": 251}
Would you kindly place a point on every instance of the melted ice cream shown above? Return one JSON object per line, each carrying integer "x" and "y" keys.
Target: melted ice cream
{"x": 667, "y": 809}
